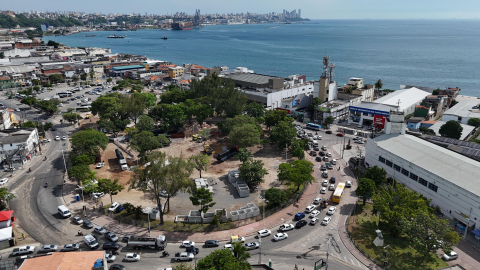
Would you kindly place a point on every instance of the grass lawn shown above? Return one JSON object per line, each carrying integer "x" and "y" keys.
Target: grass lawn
{"x": 362, "y": 226}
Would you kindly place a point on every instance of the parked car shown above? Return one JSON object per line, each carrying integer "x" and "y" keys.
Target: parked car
{"x": 280, "y": 236}
{"x": 324, "y": 148}
{"x": 110, "y": 257}
{"x": 331, "y": 187}
{"x": 187, "y": 243}
{"x": 117, "y": 267}
{"x": 110, "y": 246}
{"x": 78, "y": 220}
{"x": 451, "y": 256}
{"x": 325, "y": 183}
{"x": 113, "y": 207}
{"x": 329, "y": 154}
{"x": 326, "y": 220}
{"x": 321, "y": 153}
{"x": 348, "y": 184}
{"x": 317, "y": 200}
{"x": 332, "y": 180}
{"x": 323, "y": 190}
{"x": 48, "y": 248}
{"x": 313, "y": 221}
{"x": 310, "y": 208}
{"x": 23, "y": 250}
{"x": 193, "y": 250}
{"x": 71, "y": 247}
{"x": 97, "y": 195}
{"x": 211, "y": 243}
{"x": 3, "y": 181}
{"x": 313, "y": 153}
{"x": 111, "y": 237}
{"x": 99, "y": 229}
{"x": 340, "y": 134}
{"x": 87, "y": 224}
{"x": 318, "y": 159}
{"x": 314, "y": 213}
{"x": 323, "y": 167}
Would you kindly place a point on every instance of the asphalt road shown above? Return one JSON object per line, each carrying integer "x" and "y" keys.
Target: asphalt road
{"x": 36, "y": 211}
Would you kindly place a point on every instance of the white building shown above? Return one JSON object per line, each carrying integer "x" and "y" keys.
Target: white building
{"x": 444, "y": 176}
{"x": 462, "y": 111}
{"x": 20, "y": 143}
{"x": 405, "y": 99}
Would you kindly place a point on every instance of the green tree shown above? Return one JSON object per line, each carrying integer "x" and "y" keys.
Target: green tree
{"x": 426, "y": 233}
{"x": 283, "y": 133}
{"x": 88, "y": 142}
{"x": 145, "y": 123}
{"x": 71, "y": 117}
{"x": 275, "y": 197}
{"x": 396, "y": 204}
{"x": 80, "y": 173}
{"x": 5, "y": 196}
{"x": 273, "y": 117}
{"x": 436, "y": 91}
{"x": 201, "y": 162}
{"x": 379, "y": 84}
{"x": 329, "y": 120}
{"x": 298, "y": 153}
{"x": 255, "y": 110}
{"x": 149, "y": 99}
{"x": 243, "y": 154}
{"x": 55, "y": 78}
{"x": 202, "y": 197}
{"x": 144, "y": 142}
{"x": 453, "y": 103}
{"x": 36, "y": 88}
{"x": 49, "y": 106}
{"x": 239, "y": 120}
{"x": 221, "y": 260}
{"x": 245, "y": 135}
{"x": 29, "y": 101}
{"x": 184, "y": 266}
{"x": 472, "y": 122}
{"x": 109, "y": 187}
{"x": 427, "y": 131}
{"x": 205, "y": 133}
{"x": 173, "y": 116}
{"x": 162, "y": 174}
{"x": 252, "y": 172}
{"x": 83, "y": 76}
{"x": 298, "y": 172}
{"x": 81, "y": 160}
{"x": 109, "y": 80}
{"x": 174, "y": 96}
{"x": 36, "y": 82}
{"x": 28, "y": 124}
{"x": 314, "y": 103}
{"x": 451, "y": 129}
{"x": 240, "y": 252}
{"x": 377, "y": 174}
{"x": 366, "y": 189}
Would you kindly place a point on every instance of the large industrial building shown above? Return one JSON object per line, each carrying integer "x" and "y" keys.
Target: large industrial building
{"x": 440, "y": 174}
{"x": 462, "y": 111}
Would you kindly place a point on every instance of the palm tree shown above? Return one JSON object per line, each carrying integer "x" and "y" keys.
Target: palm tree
{"x": 240, "y": 252}
{"x": 379, "y": 84}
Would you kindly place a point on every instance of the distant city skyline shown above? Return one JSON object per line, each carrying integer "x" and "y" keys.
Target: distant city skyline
{"x": 312, "y": 9}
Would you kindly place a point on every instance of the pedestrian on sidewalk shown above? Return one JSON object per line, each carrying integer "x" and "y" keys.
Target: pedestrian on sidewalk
{"x": 296, "y": 267}
{"x": 23, "y": 236}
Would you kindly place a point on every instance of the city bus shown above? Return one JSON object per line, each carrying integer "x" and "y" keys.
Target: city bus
{"x": 337, "y": 195}
{"x": 313, "y": 126}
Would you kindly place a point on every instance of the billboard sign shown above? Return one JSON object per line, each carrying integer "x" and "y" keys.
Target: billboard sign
{"x": 379, "y": 121}
{"x": 295, "y": 103}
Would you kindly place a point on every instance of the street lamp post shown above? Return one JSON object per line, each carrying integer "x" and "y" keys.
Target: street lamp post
{"x": 328, "y": 249}
{"x": 83, "y": 199}
{"x": 386, "y": 256}
{"x": 265, "y": 201}
{"x": 147, "y": 211}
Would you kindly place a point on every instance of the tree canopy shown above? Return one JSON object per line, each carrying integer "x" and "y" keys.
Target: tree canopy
{"x": 202, "y": 197}
{"x": 200, "y": 161}
{"x": 298, "y": 172}
{"x": 221, "y": 260}
{"x": 377, "y": 174}
{"x": 366, "y": 189}
{"x": 88, "y": 142}
{"x": 144, "y": 142}
{"x": 451, "y": 129}
{"x": 252, "y": 172}
{"x": 283, "y": 133}
{"x": 273, "y": 117}
{"x": 109, "y": 187}
{"x": 472, "y": 122}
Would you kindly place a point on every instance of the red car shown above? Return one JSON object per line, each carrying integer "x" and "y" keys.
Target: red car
{"x": 340, "y": 134}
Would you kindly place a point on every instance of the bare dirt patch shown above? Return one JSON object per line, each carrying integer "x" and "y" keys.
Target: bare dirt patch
{"x": 112, "y": 168}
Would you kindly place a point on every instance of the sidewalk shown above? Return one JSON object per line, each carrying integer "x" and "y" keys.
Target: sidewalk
{"x": 272, "y": 221}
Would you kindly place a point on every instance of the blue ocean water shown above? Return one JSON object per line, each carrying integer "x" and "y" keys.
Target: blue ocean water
{"x": 442, "y": 53}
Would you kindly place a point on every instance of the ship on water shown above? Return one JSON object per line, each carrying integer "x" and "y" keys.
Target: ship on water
{"x": 115, "y": 36}
{"x": 189, "y": 25}
{"x": 90, "y": 35}
{"x": 164, "y": 37}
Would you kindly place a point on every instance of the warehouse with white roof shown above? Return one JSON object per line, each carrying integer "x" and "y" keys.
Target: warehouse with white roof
{"x": 462, "y": 111}
{"x": 374, "y": 113}
{"x": 448, "y": 178}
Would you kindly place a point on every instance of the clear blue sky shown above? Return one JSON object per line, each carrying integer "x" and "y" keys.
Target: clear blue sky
{"x": 313, "y": 9}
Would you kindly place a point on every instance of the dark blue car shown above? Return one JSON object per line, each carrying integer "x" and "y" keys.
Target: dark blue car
{"x": 299, "y": 216}
{"x": 318, "y": 159}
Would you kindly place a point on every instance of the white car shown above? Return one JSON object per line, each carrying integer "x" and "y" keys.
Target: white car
{"x": 228, "y": 246}
{"x": 326, "y": 220}
{"x": 263, "y": 233}
{"x": 70, "y": 247}
{"x": 359, "y": 142}
{"x": 132, "y": 257}
{"x": 23, "y": 250}
{"x": 57, "y": 138}
{"x": 17, "y": 109}
{"x": 313, "y": 221}
{"x": 314, "y": 213}
{"x": 280, "y": 236}
{"x": 100, "y": 165}
{"x": 97, "y": 195}
{"x": 47, "y": 248}
{"x": 78, "y": 220}
{"x": 317, "y": 200}
{"x": 452, "y": 256}
{"x": 348, "y": 184}
{"x": 331, "y": 187}
{"x": 113, "y": 207}
{"x": 324, "y": 148}
{"x": 46, "y": 140}
{"x": 286, "y": 227}
{"x": 99, "y": 229}
{"x": 325, "y": 183}
{"x": 252, "y": 245}
{"x": 187, "y": 243}
{"x": 3, "y": 181}
{"x": 110, "y": 257}
{"x": 324, "y": 190}
{"x": 310, "y": 208}
{"x": 331, "y": 210}
{"x": 329, "y": 154}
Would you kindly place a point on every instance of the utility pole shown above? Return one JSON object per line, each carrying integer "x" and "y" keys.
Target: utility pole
{"x": 286, "y": 151}
{"x": 328, "y": 249}
{"x": 468, "y": 221}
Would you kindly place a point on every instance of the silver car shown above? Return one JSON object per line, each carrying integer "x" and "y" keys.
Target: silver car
{"x": 111, "y": 236}
{"x": 48, "y": 248}
{"x": 252, "y": 245}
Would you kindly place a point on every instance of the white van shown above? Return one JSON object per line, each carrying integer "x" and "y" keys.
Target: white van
{"x": 63, "y": 211}
{"x": 325, "y": 174}
{"x": 333, "y": 161}
{"x": 90, "y": 241}
{"x": 315, "y": 143}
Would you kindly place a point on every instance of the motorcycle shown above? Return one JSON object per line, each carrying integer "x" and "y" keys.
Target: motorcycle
{"x": 80, "y": 233}
{"x": 165, "y": 254}
{"x": 29, "y": 170}
{"x": 45, "y": 157}
{"x": 46, "y": 184}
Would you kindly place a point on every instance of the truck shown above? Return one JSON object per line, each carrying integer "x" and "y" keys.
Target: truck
{"x": 184, "y": 256}
{"x": 121, "y": 160}
{"x": 207, "y": 149}
{"x": 227, "y": 154}
{"x": 90, "y": 241}
{"x": 146, "y": 242}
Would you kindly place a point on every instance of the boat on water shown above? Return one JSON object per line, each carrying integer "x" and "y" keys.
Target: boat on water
{"x": 90, "y": 35}
{"x": 184, "y": 26}
{"x": 115, "y": 36}
{"x": 164, "y": 37}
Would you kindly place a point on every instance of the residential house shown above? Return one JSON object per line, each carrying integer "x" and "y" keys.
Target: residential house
{"x": 414, "y": 123}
